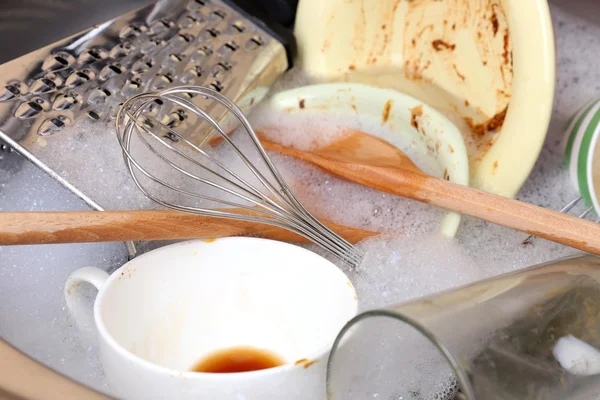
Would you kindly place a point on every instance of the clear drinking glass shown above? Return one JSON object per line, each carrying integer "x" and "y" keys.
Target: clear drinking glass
{"x": 532, "y": 334}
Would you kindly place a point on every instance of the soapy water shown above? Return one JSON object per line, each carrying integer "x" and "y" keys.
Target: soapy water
{"x": 414, "y": 261}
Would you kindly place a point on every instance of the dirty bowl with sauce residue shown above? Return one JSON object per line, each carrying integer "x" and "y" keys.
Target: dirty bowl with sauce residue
{"x": 489, "y": 65}
{"x": 432, "y": 142}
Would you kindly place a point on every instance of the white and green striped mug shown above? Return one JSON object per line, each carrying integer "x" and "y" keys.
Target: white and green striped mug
{"x": 582, "y": 152}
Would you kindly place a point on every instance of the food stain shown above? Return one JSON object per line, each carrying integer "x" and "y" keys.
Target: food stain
{"x": 210, "y": 240}
{"x": 415, "y": 113}
{"x": 439, "y": 45}
{"x": 306, "y": 362}
{"x": 301, "y": 103}
{"x": 386, "y": 111}
{"x": 491, "y": 125}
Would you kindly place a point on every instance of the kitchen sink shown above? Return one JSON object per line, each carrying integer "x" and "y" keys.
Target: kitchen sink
{"x": 33, "y": 315}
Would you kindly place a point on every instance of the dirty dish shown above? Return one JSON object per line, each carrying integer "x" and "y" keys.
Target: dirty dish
{"x": 165, "y": 314}
{"x": 488, "y": 64}
{"x": 426, "y": 135}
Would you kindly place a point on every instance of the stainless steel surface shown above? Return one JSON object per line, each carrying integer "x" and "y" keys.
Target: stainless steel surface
{"x": 89, "y": 74}
{"x": 197, "y": 181}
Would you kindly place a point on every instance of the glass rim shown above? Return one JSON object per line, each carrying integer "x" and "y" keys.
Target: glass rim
{"x": 463, "y": 381}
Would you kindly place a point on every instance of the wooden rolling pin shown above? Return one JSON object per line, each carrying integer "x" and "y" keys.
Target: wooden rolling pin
{"x": 117, "y": 226}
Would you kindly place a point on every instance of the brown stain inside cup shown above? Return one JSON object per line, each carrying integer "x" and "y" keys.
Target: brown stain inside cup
{"x": 238, "y": 359}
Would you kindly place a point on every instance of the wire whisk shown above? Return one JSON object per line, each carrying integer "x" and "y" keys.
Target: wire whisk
{"x": 178, "y": 174}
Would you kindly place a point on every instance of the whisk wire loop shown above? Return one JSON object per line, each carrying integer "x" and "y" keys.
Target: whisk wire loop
{"x": 275, "y": 205}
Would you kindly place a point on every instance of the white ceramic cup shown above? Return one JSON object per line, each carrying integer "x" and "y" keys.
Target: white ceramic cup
{"x": 162, "y": 312}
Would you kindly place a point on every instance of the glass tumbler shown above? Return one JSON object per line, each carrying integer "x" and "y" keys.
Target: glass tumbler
{"x": 531, "y": 334}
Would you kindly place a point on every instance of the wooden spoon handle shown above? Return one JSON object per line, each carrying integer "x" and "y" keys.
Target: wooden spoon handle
{"x": 414, "y": 184}
{"x": 552, "y": 225}
{"x": 117, "y": 226}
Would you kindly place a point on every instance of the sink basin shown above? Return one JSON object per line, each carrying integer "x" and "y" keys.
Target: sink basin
{"x": 33, "y": 317}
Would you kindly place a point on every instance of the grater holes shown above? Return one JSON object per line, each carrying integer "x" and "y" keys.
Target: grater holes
{"x": 65, "y": 101}
{"x": 228, "y": 48}
{"x": 78, "y": 78}
{"x": 254, "y": 43}
{"x": 238, "y": 26}
{"x": 132, "y": 31}
{"x": 58, "y": 62}
{"x": 171, "y": 60}
{"x": 30, "y": 109}
{"x": 179, "y": 42}
{"x": 142, "y": 66}
{"x": 208, "y": 34}
{"x": 161, "y": 81}
{"x": 109, "y": 71}
{"x": 10, "y": 92}
{"x": 216, "y": 85}
{"x": 47, "y": 84}
{"x": 191, "y": 75}
{"x": 217, "y": 15}
{"x": 150, "y": 45}
{"x": 201, "y": 54}
{"x": 195, "y": 4}
{"x": 235, "y": 28}
{"x": 186, "y": 22}
{"x": 132, "y": 85}
{"x": 220, "y": 69}
{"x": 94, "y": 115}
{"x": 52, "y": 125}
{"x": 173, "y": 120}
{"x": 98, "y": 96}
{"x": 91, "y": 56}
{"x": 159, "y": 27}
{"x": 121, "y": 50}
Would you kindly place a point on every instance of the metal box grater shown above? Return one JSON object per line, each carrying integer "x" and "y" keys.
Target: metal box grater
{"x": 88, "y": 75}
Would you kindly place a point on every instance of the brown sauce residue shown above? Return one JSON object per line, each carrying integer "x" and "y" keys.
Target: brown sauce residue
{"x": 439, "y": 45}
{"x": 415, "y": 113}
{"x": 386, "y": 111}
{"x": 238, "y": 359}
{"x": 461, "y": 76}
{"x": 506, "y": 47}
{"x": 494, "y": 22}
{"x": 301, "y": 103}
{"x": 305, "y": 362}
{"x": 491, "y": 125}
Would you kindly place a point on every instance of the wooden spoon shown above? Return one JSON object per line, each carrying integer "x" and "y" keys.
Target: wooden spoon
{"x": 357, "y": 158}
{"x": 117, "y": 226}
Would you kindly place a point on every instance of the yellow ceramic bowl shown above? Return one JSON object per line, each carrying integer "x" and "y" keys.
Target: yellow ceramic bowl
{"x": 487, "y": 64}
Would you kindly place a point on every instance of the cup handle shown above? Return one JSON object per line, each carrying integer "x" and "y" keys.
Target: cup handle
{"x": 79, "y": 313}
{"x": 93, "y": 275}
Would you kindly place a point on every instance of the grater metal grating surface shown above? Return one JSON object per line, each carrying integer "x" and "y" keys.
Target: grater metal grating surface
{"x": 58, "y": 103}
{"x": 88, "y": 75}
